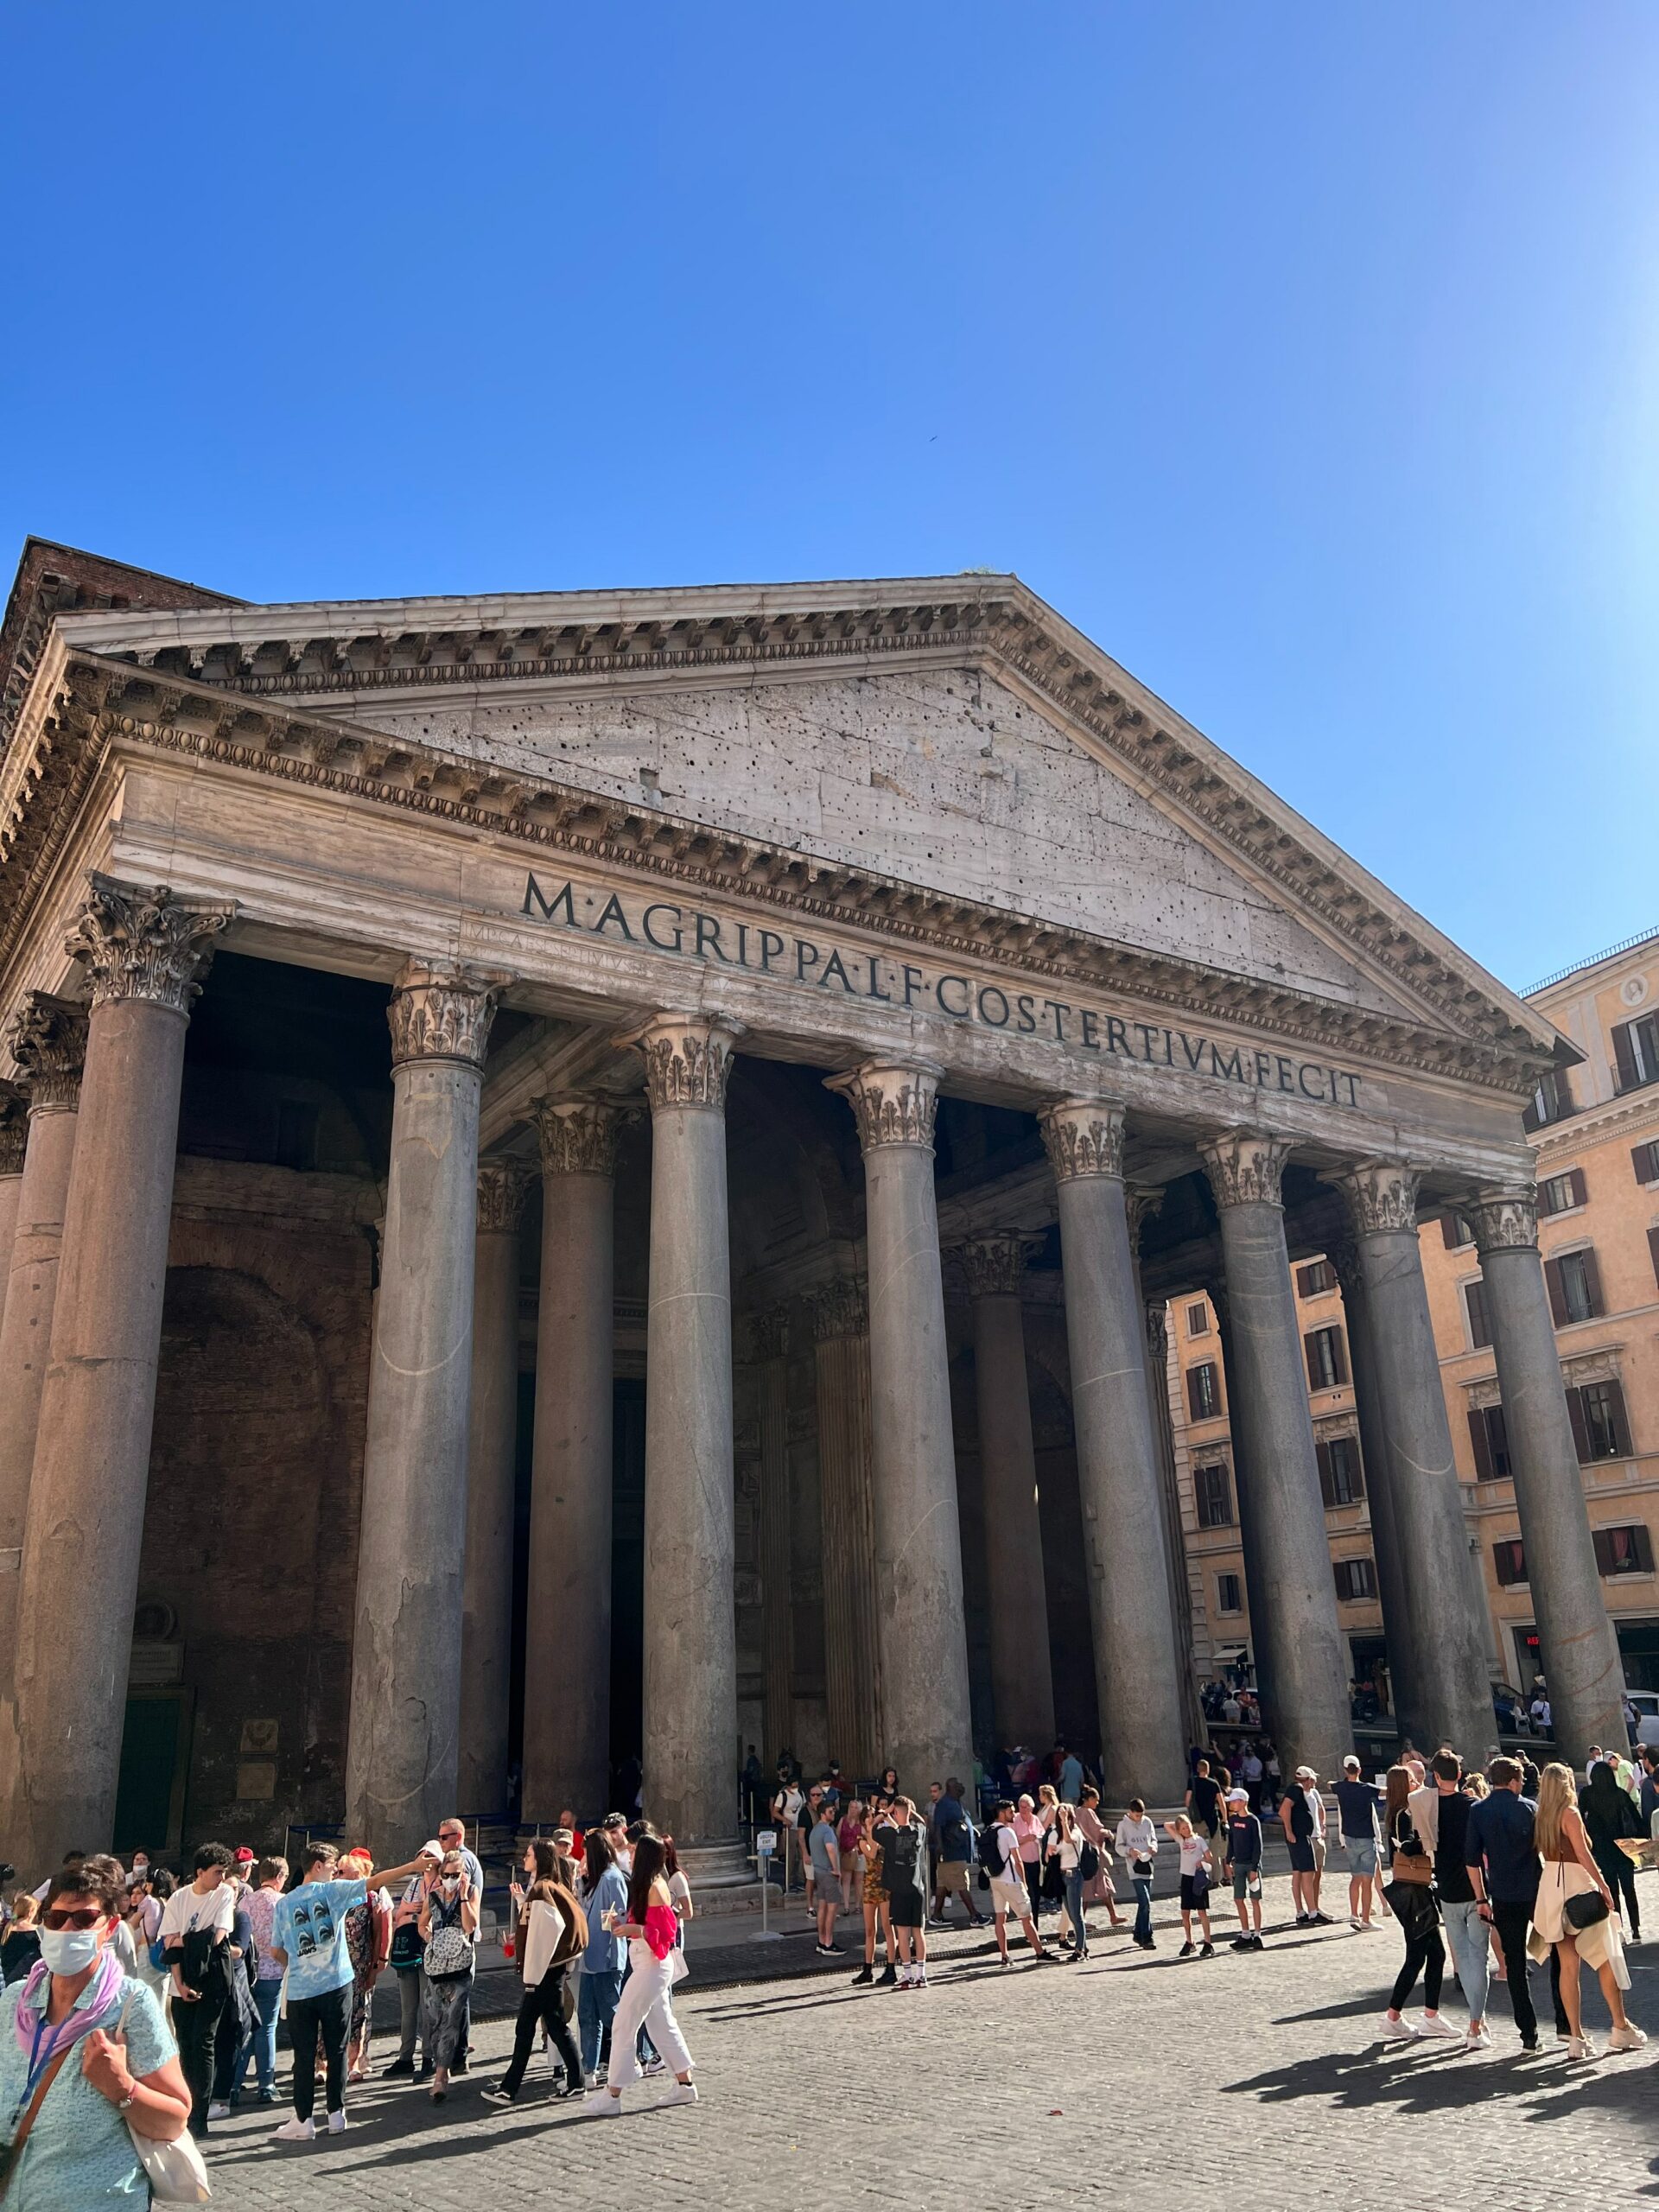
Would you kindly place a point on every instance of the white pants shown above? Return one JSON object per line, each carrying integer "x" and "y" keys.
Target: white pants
{"x": 645, "y": 2003}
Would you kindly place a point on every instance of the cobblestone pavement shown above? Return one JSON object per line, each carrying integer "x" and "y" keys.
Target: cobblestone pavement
{"x": 1145, "y": 2073}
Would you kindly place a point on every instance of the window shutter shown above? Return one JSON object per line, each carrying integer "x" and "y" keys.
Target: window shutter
{"x": 1192, "y": 1400}
{"x": 1643, "y": 1543}
{"x": 1304, "y": 1282}
{"x": 1327, "y": 1488}
{"x": 1482, "y": 1443}
{"x": 1312, "y": 1357}
{"x": 1449, "y": 1235}
{"x": 1603, "y": 1541}
{"x": 1653, "y": 1251}
{"x": 1580, "y": 1426}
{"x": 1624, "y": 1056}
{"x": 1580, "y": 1190}
{"x": 1621, "y": 1425}
{"x": 1557, "y": 1296}
{"x": 1593, "y": 1282}
{"x": 1339, "y": 1354}
{"x": 1643, "y": 1161}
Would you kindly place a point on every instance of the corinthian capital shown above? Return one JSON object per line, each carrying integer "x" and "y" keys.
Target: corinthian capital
{"x": 14, "y": 1127}
{"x": 1142, "y": 1201}
{"x": 1244, "y": 1167}
{"x": 994, "y": 1266}
{"x": 501, "y": 1187}
{"x": 840, "y": 1309}
{"x": 145, "y": 944}
{"x": 1382, "y": 1194}
{"x": 579, "y": 1132}
{"x": 441, "y": 1014}
{"x": 769, "y": 1333}
{"x": 688, "y": 1059}
{"x": 1083, "y": 1136}
{"x": 1504, "y": 1219}
{"x": 894, "y": 1102}
{"x": 47, "y": 1037}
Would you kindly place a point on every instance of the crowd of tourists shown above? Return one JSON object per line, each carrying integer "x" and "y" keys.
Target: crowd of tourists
{"x": 141, "y": 2005}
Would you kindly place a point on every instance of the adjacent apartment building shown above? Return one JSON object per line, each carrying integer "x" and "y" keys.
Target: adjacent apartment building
{"x": 1595, "y": 1130}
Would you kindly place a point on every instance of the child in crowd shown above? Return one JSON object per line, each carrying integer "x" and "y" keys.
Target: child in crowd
{"x": 1197, "y": 1864}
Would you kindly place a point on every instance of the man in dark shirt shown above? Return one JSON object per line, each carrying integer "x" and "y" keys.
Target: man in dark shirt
{"x": 1465, "y": 1931}
{"x": 1504, "y": 1870}
{"x": 1203, "y": 1800}
{"x": 1357, "y": 1802}
{"x": 1244, "y": 1863}
{"x": 1649, "y": 1772}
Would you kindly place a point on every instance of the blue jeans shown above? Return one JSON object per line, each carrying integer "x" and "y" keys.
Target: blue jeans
{"x": 261, "y": 2043}
{"x": 1466, "y": 1933}
{"x": 1074, "y": 1910}
{"x": 596, "y": 1996}
{"x": 1142, "y": 1906}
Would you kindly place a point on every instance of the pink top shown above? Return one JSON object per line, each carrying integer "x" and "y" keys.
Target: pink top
{"x": 662, "y": 1924}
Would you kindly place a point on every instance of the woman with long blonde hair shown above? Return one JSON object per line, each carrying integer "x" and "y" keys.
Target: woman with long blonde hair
{"x": 1416, "y": 1908}
{"x": 1570, "y": 1871}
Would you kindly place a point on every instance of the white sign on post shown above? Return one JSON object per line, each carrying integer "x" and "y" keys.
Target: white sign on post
{"x": 765, "y": 1843}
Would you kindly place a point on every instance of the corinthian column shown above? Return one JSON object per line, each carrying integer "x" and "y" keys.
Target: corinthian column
{"x": 1022, "y": 1682}
{"x": 1445, "y": 1611}
{"x": 142, "y": 951}
{"x": 923, "y": 1640}
{"x": 48, "y": 1038}
{"x": 1581, "y": 1651}
{"x": 852, "y": 1666}
{"x": 1137, "y": 1664}
{"x": 770, "y": 1346}
{"x": 690, "y": 1655}
{"x": 402, "y": 1768}
{"x": 492, "y": 1467}
{"x": 568, "y": 1622}
{"x": 1301, "y": 1659}
{"x": 14, "y": 1137}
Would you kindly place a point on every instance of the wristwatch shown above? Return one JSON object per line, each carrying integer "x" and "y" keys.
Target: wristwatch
{"x": 130, "y": 2100}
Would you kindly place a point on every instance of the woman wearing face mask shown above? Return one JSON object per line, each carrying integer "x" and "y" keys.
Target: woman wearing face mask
{"x": 448, "y": 1922}
{"x": 68, "y": 2088}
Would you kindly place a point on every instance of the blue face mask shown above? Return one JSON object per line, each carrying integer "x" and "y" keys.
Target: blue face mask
{"x": 68, "y": 1950}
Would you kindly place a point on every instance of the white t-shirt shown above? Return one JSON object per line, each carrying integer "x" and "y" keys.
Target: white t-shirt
{"x": 1194, "y": 1849}
{"x": 1008, "y": 1844}
{"x": 188, "y": 1911}
{"x": 680, "y": 1889}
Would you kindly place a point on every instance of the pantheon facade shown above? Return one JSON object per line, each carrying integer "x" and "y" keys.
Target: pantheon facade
{"x": 597, "y": 1174}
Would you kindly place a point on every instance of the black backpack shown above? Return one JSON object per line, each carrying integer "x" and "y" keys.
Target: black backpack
{"x": 988, "y": 1853}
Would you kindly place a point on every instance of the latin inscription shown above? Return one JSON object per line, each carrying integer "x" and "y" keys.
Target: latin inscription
{"x": 686, "y": 933}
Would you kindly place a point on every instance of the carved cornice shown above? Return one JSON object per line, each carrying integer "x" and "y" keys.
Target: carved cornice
{"x": 1503, "y": 1220}
{"x": 441, "y": 1014}
{"x": 894, "y": 1102}
{"x": 840, "y": 1308}
{"x": 47, "y": 1039}
{"x": 579, "y": 1132}
{"x": 14, "y": 1127}
{"x": 769, "y": 1334}
{"x": 1244, "y": 1167}
{"x": 1602, "y": 1366}
{"x": 98, "y": 702}
{"x": 137, "y": 944}
{"x": 993, "y": 1266}
{"x": 1381, "y": 1196}
{"x": 998, "y": 625}
{"x": 687, "y": 1059}
{"x": 1083, "y": 1136}
{"x": 502, "y": 1184}
{"x": 1482, "y": 1393}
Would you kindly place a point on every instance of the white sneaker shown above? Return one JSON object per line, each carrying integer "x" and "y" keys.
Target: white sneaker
{"x": 336, "y": 2123}
{"x": 1397, "y": 2030}
{"x": 219, "y": 2112}
{"x": 599, "y": 2104}
{"x": 1479, "y": 2038}
{"x": 296, "y": 2131}
{"x": 1629, "y": 2037}
{"x": 1435, "y": 2024}
{"x": 1581, "y": 2047}
{"x": 682, "y": 2093}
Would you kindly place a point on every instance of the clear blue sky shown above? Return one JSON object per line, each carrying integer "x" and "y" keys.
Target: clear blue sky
{"x": 1308, "y": 356}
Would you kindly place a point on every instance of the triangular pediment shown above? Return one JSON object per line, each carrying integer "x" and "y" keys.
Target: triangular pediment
{"x": 951, "y": 733}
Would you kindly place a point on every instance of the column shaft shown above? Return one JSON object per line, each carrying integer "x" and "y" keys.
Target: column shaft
{"x": 1022, "y": 1681}
{"x": 690, "y": 1648}
{"x": 852, "y": 1666}
{"x": 14, "y": 1137}
{"x": 1136, "y": 1662}
{"x": 85, "y": 1514}
{"x": 1445, "y": 1613}
{"x": 1409, "y": 1710}
{"x": 403, "y": 1769}
{"x": 491, "y": 1469}
{"x": 568, "y": 1627}
{"x": 48, "y": 1041}
{"x": 1582, "y": 1667}
{"x": 922, "y": 1638}
{"x": 1301, "y": 1663}
{"x": 777, "y": 1609}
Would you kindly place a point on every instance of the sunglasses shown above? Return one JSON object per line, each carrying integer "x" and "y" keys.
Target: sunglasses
{"x": 55, "y": 1918}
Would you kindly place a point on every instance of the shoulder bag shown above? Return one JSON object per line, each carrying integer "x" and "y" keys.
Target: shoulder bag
{"x": 176, "y": 2171}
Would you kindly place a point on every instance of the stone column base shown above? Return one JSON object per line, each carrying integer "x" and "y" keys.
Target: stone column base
{"x": 722, "y": 1866}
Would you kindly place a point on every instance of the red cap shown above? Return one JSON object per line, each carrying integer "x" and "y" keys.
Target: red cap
{"x": 245, "y": 1856}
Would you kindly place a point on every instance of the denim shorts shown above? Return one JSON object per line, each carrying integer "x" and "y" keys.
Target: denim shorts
{"x": 1361, "y": 1855}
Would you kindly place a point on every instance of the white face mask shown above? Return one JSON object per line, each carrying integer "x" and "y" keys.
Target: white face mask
{"x": 68, "y": 1950}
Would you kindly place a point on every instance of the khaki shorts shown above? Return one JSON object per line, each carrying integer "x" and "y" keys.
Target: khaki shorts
{"x": 953, "y": 1875}
{"x": 1011, "y": 1900}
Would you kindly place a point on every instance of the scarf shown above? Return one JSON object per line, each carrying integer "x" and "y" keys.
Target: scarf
{"x": 96, "y": 1999}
